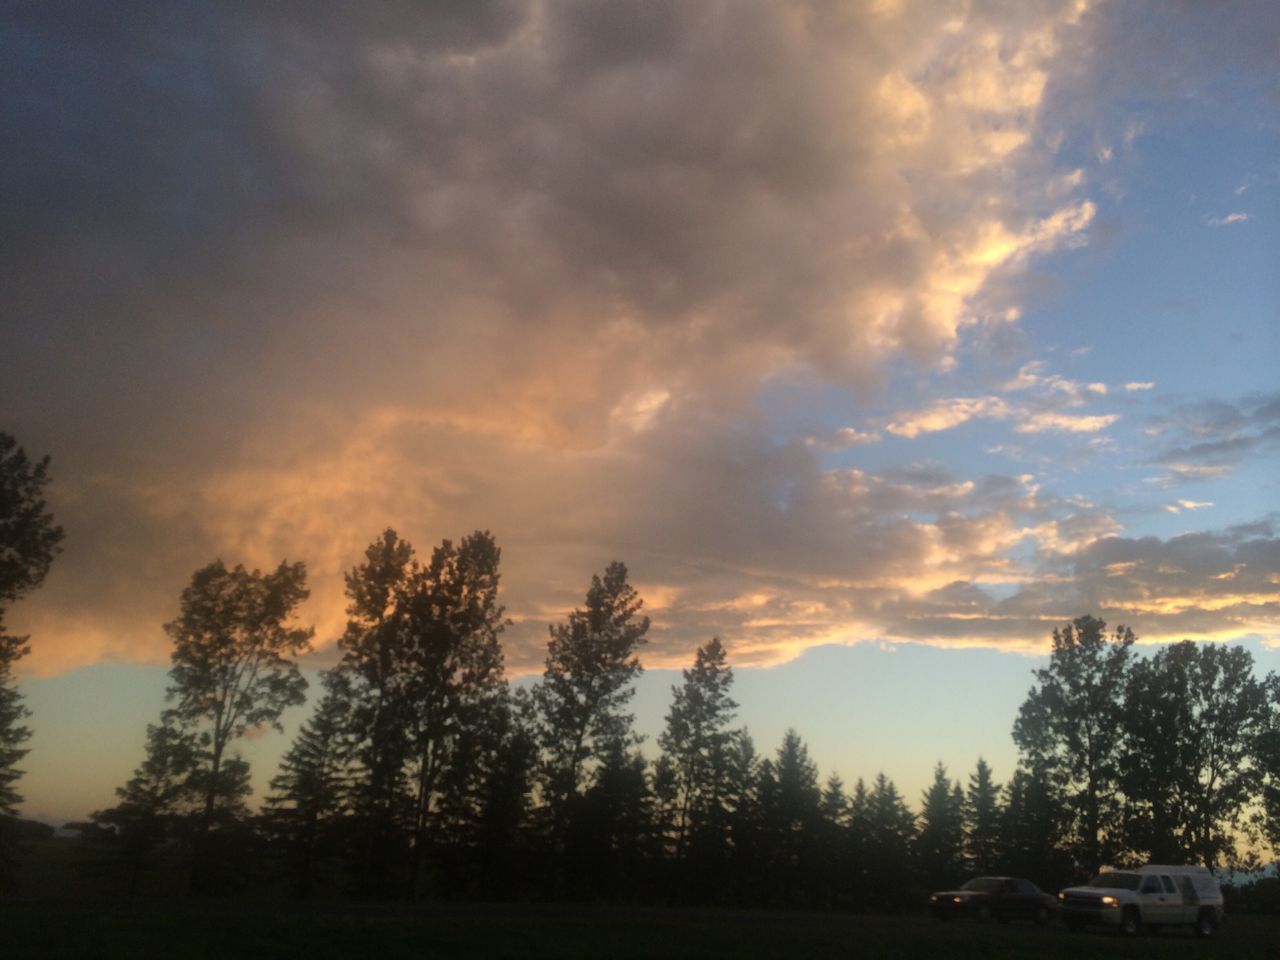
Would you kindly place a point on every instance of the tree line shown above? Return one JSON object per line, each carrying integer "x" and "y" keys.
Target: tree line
{"x": 421, "y": 771}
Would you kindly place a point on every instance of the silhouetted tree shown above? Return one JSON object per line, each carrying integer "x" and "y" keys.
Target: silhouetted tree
{"x": 454, "y": 686}
{"x": 311, "y": 793}
{"x": 375, "y": 660}
{"x": 233, "y": 669}
{"x": 835, "y": 851}
{"x": 1267, "y": 754}
{"x": 1194, "y": 714}
{"x": 1067, "y": 728}
{"x": 13, "y": 734}
{"x": 982, "y": 827}
{"x": 1032, "y": 829}
{"x": 611, "y": 835}
{"x": 890, "y": 829}
{"x": 939, "y": 841}
{"x": 590, "y": 670}
{"x": 790, "y": 815}
{"x": 501, "y": 840}
{"x": 742, "y": 807}
{"x": 694, "y": 744}
{"x": 159, "y": 803}
{"x": 29, "y": 540}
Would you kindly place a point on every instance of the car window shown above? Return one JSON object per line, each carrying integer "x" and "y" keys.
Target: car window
{"x": 1168, "y": 884}
{"x": 1151, "y": 885}
{"x": 1026, "y": 886}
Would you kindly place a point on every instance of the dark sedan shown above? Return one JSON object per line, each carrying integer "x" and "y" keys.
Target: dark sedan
{"x": 999, "y": 898}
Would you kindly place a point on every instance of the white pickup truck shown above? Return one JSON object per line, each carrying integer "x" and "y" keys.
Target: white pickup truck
{"x": 1149, "y": 897}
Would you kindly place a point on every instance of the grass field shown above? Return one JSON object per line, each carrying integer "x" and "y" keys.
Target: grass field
{"x": 179, "y": 929}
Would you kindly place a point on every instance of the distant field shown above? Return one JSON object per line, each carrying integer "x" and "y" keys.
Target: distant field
{"x": 179, "y": 929}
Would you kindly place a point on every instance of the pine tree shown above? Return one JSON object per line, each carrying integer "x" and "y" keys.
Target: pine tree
{"x": 695, "y": 744}
{"x": 939, "y": 841}
{"x": 29, "y": 541}
{"x": 791, "y": 815}
{"x": 590, "y": 670}
{"x": 311, "y": 793}
{"x": 891, "y": 830}
{"x": 982, "y": 820}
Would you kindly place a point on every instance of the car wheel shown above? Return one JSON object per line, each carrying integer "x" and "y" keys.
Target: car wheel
{"x": 1206, "y": 924}
{"x": 984, "y": 913}
{"x": 1130, "y": 922}
{"x": 1042, "y": 915}
{"x": 1074, "y": 923}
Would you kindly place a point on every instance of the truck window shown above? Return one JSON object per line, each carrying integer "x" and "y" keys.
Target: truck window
{"x": 1168, "y": 884}
{"x": 1151, "y": 885}
{"x": 1189, "y": 894}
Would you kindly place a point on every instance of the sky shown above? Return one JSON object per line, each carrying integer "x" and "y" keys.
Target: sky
{"x": 878, "y": 339}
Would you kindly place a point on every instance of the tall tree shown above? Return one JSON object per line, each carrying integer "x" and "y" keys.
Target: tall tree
{"x": 790, "y": 812}
{"x": 939, "y": 840}
{"x": 29, "y": 540}
{"x": 233, "y": 669}
{"x": 1031, "y": 821}
{"x": 890, "y": 832}
{"x": 1194, "y": 715}
{"x": 586, "y": 685}
{"x": 454, "y": 686}
{"x": 982, "y": 832}
{"x": 1068, "y": 727}
{"x": 375, "y": 661}
{"x": 695, "y": 743}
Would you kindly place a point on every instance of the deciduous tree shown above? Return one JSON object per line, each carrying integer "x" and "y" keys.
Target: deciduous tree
{"x": 233, "y": 669}
{"x": 1067, "y": 728}
{"x": 1194, "y": 714}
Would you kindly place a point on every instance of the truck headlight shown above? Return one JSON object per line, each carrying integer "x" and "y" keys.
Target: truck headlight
{"x": 1062, "y": 896}
{"x": 1110, "y": 902}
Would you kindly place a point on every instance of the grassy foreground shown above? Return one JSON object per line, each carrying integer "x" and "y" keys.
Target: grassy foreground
{"x": 179, "y": 929}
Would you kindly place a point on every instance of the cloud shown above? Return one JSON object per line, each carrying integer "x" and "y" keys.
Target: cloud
{"x": 1211, "y": 438}
{"x": 298, "y": 273}
{"x": 1139, "y": 385}
{"x": 946, "y": 414}
{"x": 843, "y": 438}
{"x": 1179, "y": 505}
{"x": 1230, "y": 218}
{"x": 1065, "y": 423}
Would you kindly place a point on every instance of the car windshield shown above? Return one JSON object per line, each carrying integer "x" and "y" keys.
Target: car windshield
{"x": 984, "y": 885}
{"x": 1116, "y": 881}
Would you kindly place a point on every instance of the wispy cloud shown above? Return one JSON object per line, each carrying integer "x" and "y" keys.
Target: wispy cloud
{"x": 1065, "y": 423}
{"x": 1230, "y": 218}
{"x": 1137, "y": 385}
{"x": 1180, "y": 505}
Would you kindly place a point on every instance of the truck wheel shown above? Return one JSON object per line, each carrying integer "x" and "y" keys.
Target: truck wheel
{"x": 1130, "y": 922}
{"x": 1206, "y": 924}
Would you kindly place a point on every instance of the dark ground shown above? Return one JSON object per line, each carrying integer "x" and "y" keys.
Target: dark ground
{"x": 182, "y": 928}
